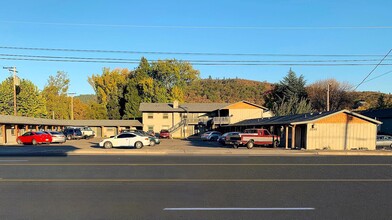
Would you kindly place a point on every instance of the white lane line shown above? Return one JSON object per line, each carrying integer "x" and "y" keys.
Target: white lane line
{"x": 242, "y": 209}
{"x": 13, "y": 160}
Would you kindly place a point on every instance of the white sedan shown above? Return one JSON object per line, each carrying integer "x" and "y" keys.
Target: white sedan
{"x": 125, "y": 140}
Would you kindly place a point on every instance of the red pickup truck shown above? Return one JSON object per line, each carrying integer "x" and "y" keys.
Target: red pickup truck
{"x": 252, "y": 137}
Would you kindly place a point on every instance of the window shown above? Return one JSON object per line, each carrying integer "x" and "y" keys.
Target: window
{"x": 165, "y": 115}
{"x": 126, "y": 136}
{"x": 150, "y": 115}
{"x": 150, "y": 128}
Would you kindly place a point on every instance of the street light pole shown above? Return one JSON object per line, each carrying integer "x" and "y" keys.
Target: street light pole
{"x": 13, "y": 69}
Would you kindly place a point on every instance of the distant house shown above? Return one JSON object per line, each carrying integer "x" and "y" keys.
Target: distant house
{"x": 334, "y": 130}
{"x": 186, "y": 119}
{"x": 383, "y": 115}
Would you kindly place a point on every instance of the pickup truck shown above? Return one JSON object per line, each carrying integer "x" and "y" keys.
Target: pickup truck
{"x": 252, "y": 137}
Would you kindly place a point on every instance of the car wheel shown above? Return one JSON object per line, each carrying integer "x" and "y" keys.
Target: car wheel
{"x": 19, "y": 141}
{"x": 107, "y": 145}
{"x": 276, "y": 143}
{"x": 152, "y": 143}
{"x": 69, "y": 137}
{"x": 250, "y": 145}
{"x": 235, "y": 146}
{"x": 34, "y": 142}
{"x": 138, "y": 145}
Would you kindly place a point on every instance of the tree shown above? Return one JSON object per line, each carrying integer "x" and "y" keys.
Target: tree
{"x": 80, "y": 109}
{"x": 289, "y": 96}
{"x": 292, "y": 106}
{"x": 29, "y": 101}
{"x": 340, "y": 95}
{"x": 96, "y": 111}
{"x": 55, "y": 94}
{"x": 109, "y": 88}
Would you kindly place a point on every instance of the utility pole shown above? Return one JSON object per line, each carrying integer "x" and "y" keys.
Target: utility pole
{"x": 328, "y": 97}
{"x": 72, "y": 108}
{"x": 13, "y": 69}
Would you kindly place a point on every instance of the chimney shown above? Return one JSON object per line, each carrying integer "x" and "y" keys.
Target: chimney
{"x": 175, "y": 104}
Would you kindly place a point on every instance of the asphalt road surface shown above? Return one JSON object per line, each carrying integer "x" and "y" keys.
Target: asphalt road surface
{"x": 163, "y": 187}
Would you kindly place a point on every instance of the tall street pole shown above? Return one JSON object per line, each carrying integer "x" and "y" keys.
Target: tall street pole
{"x": 72, "y": 108}
{"x": 13, "y": 69}
{"x": 14, "y": 75}
{"x": 328, "y": 97}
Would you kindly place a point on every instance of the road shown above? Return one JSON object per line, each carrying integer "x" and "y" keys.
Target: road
{"x": 164, "y": 187}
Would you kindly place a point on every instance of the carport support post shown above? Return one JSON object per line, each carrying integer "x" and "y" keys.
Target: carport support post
{"x": 16, "y": 131}
{"x": 26, "y": 128}
{"x": 3, "y": 131}
{"x": 36, "y": 128}
{"x": 293, "y": 137}
{"x": 287, "y": 137}
{"x": 46, "y": 127}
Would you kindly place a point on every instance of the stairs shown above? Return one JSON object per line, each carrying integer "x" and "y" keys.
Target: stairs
{"x": 177, "y": 126}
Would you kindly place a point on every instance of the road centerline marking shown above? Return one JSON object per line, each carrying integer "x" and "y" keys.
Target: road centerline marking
{"x": 242, "y": 209}
{"x": 193, "y": 180}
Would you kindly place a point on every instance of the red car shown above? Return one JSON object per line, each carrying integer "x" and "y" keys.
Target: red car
{"x": 32, "y": 137}
{"x": 164, "y": 134}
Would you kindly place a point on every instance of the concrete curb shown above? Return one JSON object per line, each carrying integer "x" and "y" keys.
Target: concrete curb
{"x": 183, "y": 152}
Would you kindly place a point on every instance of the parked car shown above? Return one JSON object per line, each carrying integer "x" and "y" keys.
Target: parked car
{"x": 211, "y": 135}
{"x": 73, "y": 133}
{"x": 153, "y": 140}
{"x": 384, "y": 141}
{"x": 34, "y": 138}
{"x": 87, "y": 132}
{"x": 57, "y": 137}
{"x": 125, "y": 140}
{"x": 222, "y": 138}
{"x": 164, "y": 134}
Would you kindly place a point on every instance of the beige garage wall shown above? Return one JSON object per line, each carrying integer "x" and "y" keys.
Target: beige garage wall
{"x": 337, "y": 136}
{"x": 243, "y": 114}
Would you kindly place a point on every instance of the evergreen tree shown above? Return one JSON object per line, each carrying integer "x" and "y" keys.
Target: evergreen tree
{"x": 289, "y": 96}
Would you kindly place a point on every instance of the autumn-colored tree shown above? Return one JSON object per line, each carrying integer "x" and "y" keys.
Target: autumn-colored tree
{"x": 55, "y": 94}
{"x": 96, "y": 111}
{"x": 340, "y": 95}
{"x": 109, "y": 88}
{"x": 80, "y": 109}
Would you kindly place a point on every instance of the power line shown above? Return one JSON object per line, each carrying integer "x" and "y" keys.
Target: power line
{"x": 201, "y": 26}
{"x": 188, "y": 53}
{"x": 386, "y": 73}
{"x": 373, "y": 69}
{"x": 193, "y": 63}
{"x": 187, "y": 60}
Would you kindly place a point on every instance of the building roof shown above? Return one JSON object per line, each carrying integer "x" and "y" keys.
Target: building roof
{"x": 297, "y": 119}
{"x": 184, "y": 107}
{"x": 190, "y": 107}
{"x": 10, "y": 119}
{"x": 378, "y": 113}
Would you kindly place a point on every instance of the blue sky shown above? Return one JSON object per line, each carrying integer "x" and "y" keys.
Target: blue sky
{"x": 41, "y": 24}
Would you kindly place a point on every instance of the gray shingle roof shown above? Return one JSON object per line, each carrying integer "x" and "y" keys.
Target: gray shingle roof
{"x": 295, "y": 119}
{"x": 191, "y": 107}
{"x": 10, "y": 119}
{"x": 378, "y": 113}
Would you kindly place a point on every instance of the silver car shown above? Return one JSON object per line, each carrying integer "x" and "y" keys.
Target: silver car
{"x": 57, "y": 137}
{"x": 384, "y": 141}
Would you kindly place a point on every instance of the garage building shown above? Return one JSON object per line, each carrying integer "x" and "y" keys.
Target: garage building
{"x": 334, "y": 130}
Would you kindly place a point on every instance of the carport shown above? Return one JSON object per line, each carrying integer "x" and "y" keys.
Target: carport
{"x": 13, "y": 126}
{"x": 335, "y": 130}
